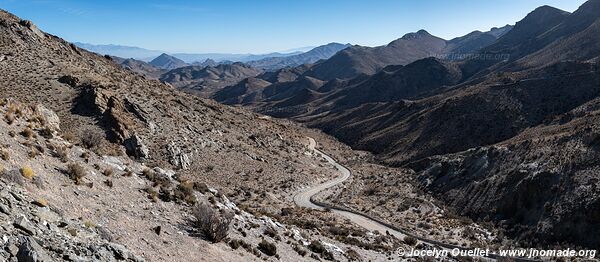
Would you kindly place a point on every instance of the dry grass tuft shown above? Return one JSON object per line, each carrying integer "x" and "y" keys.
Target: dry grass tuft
{"x": 4, "y": 154}
{"x": 27, "y": 133}
{"x": 27, "y": 172}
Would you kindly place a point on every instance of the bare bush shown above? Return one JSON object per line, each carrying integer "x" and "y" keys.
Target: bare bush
{"x": 92, "y": 139}
{"x": 76, "y": 172}
{"x": 409, "y": 240}
{"x": 267, "y": 248}
{"x": 214, "y": 225}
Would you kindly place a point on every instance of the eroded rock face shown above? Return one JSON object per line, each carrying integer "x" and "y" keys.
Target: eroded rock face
{"x": 115, "y": 116}
{"x": 136, "y": 148}
{"x": 31, "y": 26}
{"x": 177, "y": 157}
{"x": 50, "y": 117}
{"x": 539, "y": 201}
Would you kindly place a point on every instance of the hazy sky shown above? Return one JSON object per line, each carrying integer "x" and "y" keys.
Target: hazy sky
{"x": 259, "y": 26}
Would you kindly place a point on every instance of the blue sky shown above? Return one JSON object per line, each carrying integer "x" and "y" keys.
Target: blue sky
{"x": 260, "y": 26}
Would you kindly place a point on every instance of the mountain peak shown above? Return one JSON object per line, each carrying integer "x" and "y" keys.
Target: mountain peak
{"x": 168, "y": 62}
{"x": 418, "y": 34}
{"x": 543, "y": 13}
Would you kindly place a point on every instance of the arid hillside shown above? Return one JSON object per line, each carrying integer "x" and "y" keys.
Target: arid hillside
{"x": 102, "y": 163}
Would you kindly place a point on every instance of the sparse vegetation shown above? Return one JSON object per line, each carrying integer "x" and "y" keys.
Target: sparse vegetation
{"x": 317, "y": 247}
{"x": 89, "y": 224}
{"x": 271, "y": 232}
{"x": 185, "y": 192}
{"x": 27, "y": 133}
{"x": 411, "y": 241}
{"x": 46, "y": 132}
{"x": 76, "y": 172}
{"x": 9, "y": 118}
{"x": 214, "y": 225}
{"x": 301, "y": 251}
{"x": 267, "y": 248}
{"x": 27, "y": 172}
{"x": 4, "y": 154}
{"x": 92, "y": 139}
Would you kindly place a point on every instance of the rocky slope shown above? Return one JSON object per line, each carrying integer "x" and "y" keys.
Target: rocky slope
{"x": 63, "y": 202}
{"x": 357, "y": 60}
{"x": 121, "y": 149}
{"x": 206, "y": 80}
{"x": 140, "y": 67}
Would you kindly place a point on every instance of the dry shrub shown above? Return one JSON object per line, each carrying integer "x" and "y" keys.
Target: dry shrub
{"x": 62, "y": 152}
{"x": 317, "y": 247}
{"x": 108, "y": 172}
{"x": 76, "y": 172}
{"x": 27, "y": 172}
{"x": 271, "y": 232}
{"x": 69, "y": 137}
{"x": 214, "y": 225}
{"x": 27, "y": 133}
{"x": 152, "y": 194}
{"x": 92, "y": 139}
{"x": 33, "y": 152}
{"x": 300, "y": 251}
{"x": 411, "y": 241}
{"x": 128, "y": 173}
{"x": 9, "y": 118}
{"x": 267, "y": 248}
{"x": 185, "y": 192}
{"x": 4, "y": 154}
{"x": 352, "y": 255}
{"x": 46, "y": 132}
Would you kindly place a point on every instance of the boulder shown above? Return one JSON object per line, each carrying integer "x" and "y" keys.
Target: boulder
{"x": 23, "y": 223}
{"x": 50, "y": 117}
{"x": 177, "y": 157}
{"x": 31, "y": 251}
{"x": 136, "y": 148}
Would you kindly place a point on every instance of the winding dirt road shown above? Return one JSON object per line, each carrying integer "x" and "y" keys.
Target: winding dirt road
{"x": 304, "y": 197}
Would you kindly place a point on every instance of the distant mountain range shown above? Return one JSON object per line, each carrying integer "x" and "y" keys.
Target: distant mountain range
{"x": 207, "y": 77}
{"x": 312, "y": 56}
{"x": 357, "y": 60}
{"x": 147, "y": 55}
{"x": 121, "y": 51}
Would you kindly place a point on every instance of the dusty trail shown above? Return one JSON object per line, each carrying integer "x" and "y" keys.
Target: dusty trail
{"x": 303, "y": 198}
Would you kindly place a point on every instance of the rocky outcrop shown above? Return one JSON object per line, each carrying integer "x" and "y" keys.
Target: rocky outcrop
{"x": 35, "y": 233}
{"x": 136, "y": 148}
{"x": 50, "y": 118}
{"x": 177, "y": 157}
{"x": 31, "y": 26}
